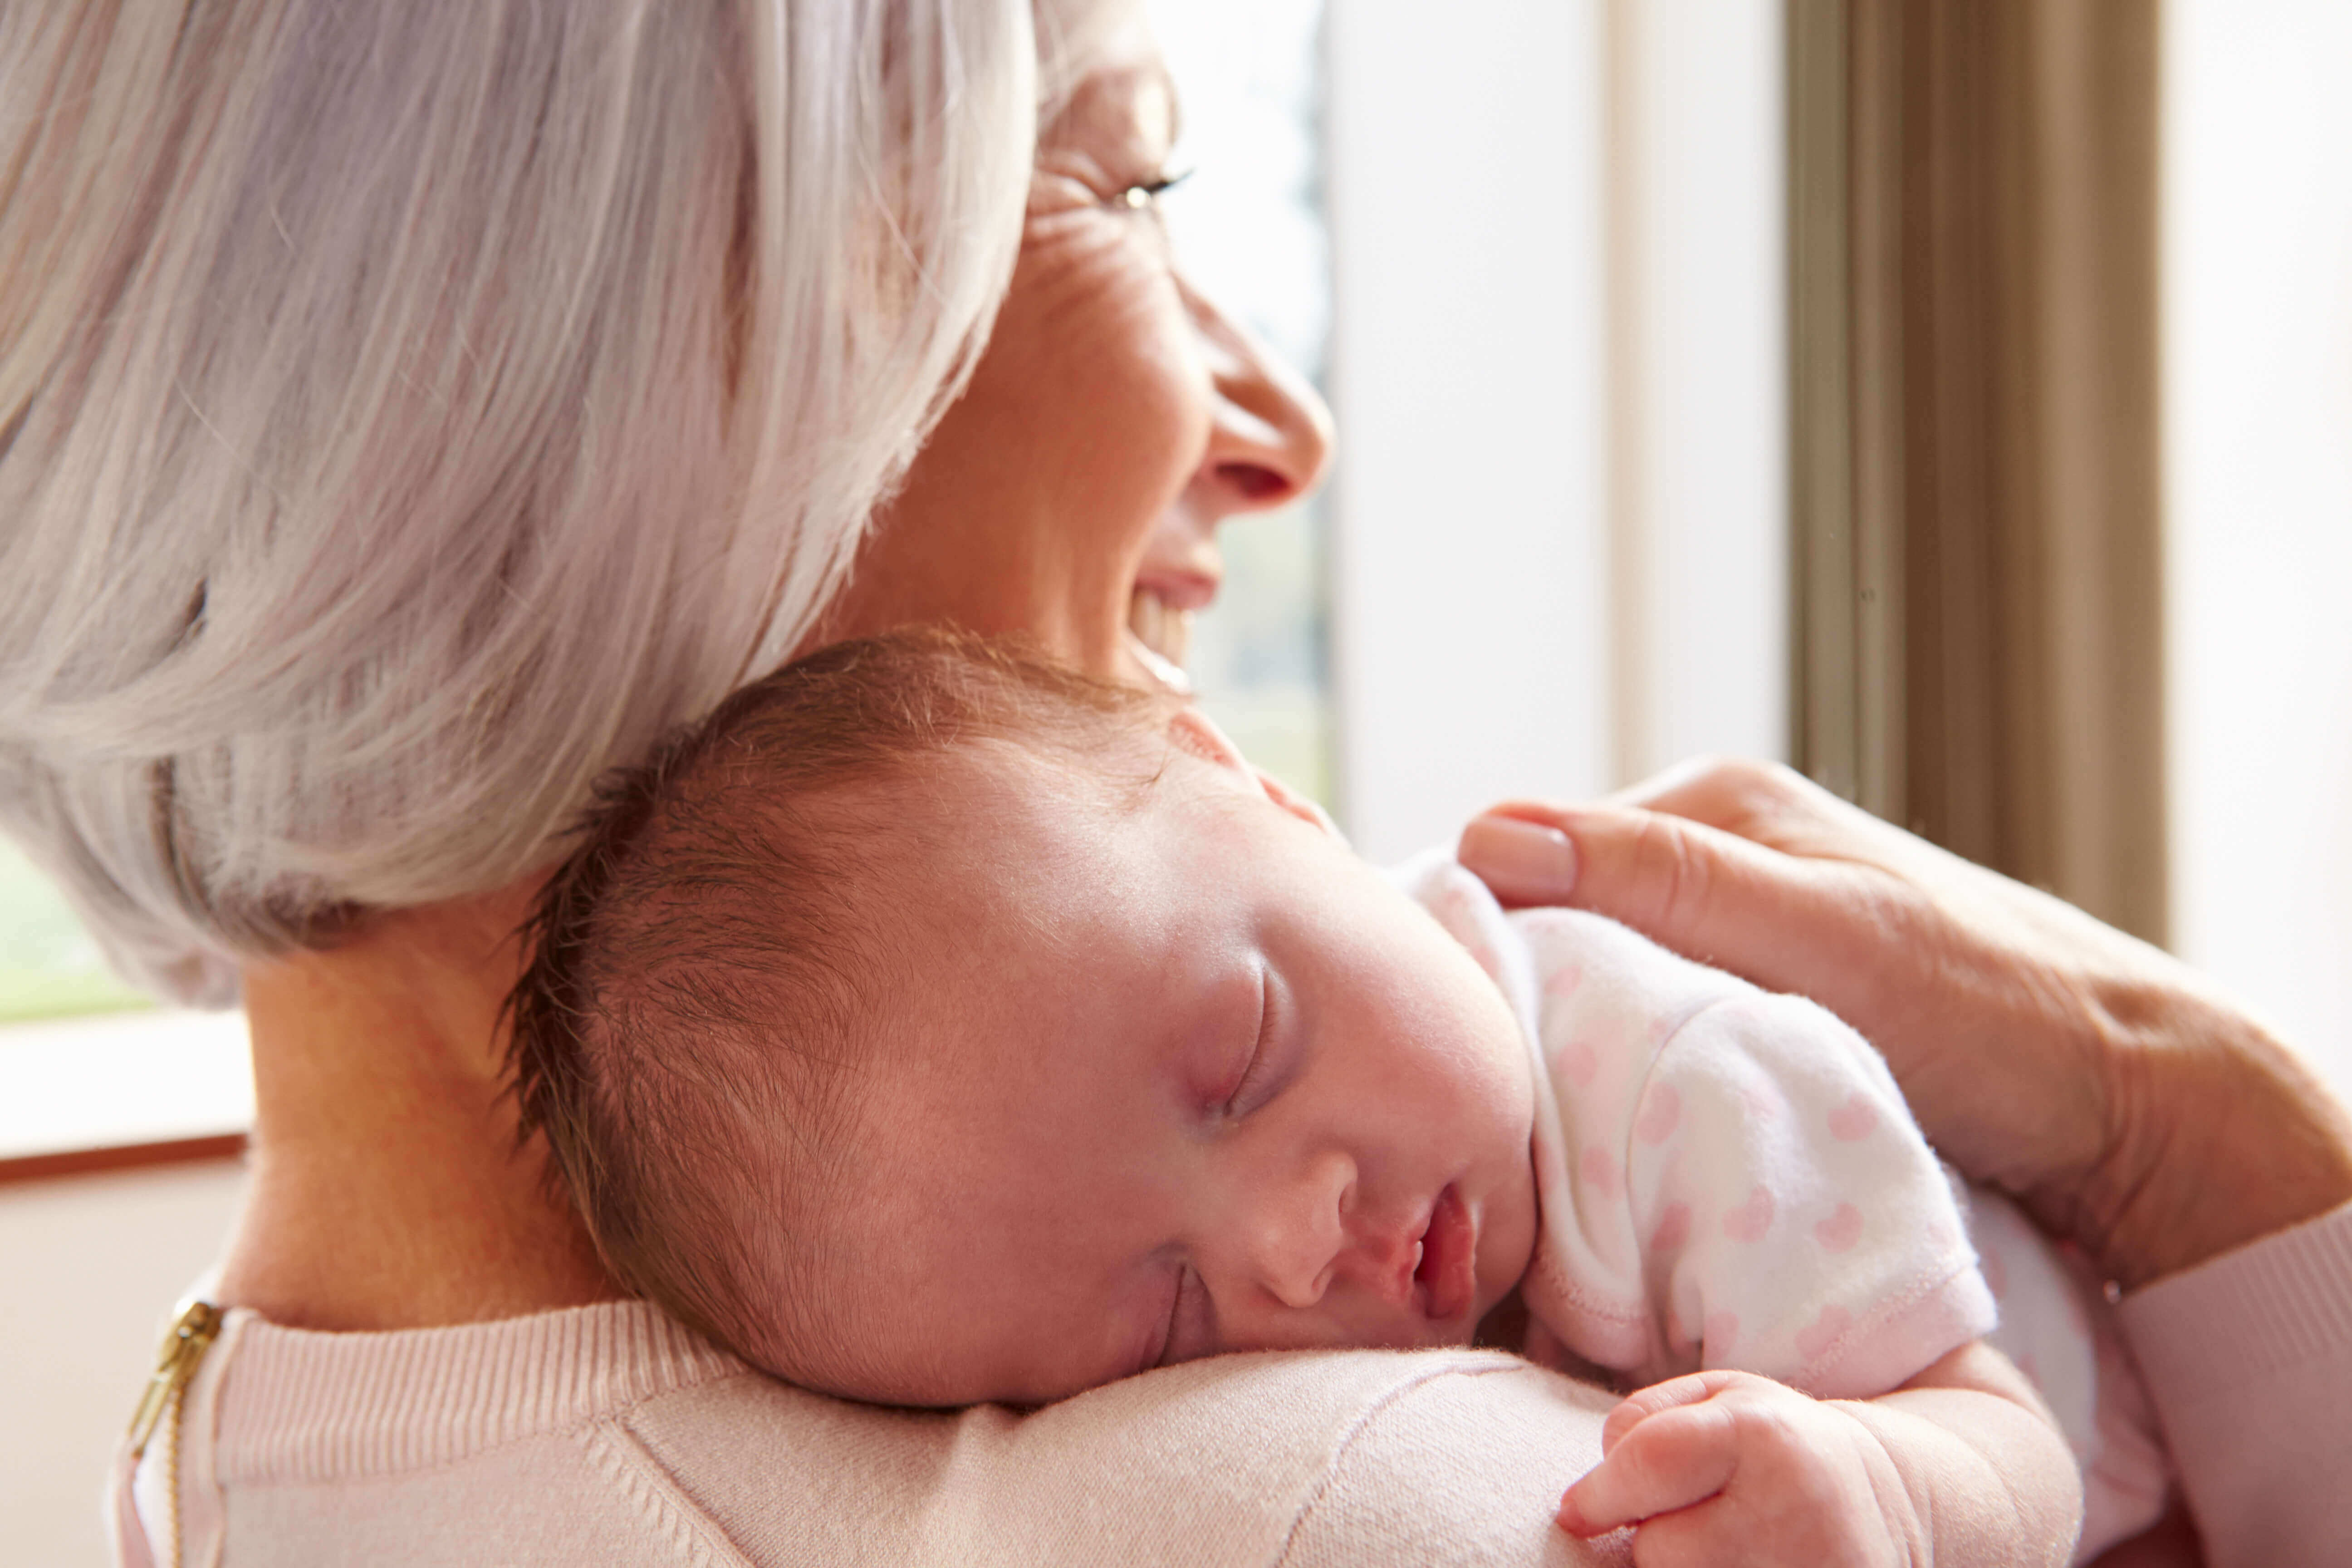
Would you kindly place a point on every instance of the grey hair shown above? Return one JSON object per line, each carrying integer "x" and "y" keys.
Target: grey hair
{"x": 408, "y": 411}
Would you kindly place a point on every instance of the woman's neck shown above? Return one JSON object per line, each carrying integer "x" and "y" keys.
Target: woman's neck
{"x": 387, "y": 1191}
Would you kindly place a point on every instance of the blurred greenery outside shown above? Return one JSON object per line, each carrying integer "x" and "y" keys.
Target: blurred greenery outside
{"x": 1257, "y": 654}
{"x": 50, "y": 967}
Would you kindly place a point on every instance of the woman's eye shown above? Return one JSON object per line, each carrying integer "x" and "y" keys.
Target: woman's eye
{"x": 1145, "y": 193}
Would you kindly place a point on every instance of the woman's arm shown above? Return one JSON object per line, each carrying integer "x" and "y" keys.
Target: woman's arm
{"x": 2109, "y": 1086}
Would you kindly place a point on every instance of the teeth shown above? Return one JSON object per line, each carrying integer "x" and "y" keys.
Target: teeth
{"x": 1171, "y": 677}
{"x": 1166, "y": 631}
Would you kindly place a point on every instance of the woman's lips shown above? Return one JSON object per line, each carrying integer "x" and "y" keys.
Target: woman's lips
{"x": 1446, "y": 1280}
{"x": 1190, "y": 587}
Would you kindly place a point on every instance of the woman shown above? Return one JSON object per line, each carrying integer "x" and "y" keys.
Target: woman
{"x": 408, "y": 411}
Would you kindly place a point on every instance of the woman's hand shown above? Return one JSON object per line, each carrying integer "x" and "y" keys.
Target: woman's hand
{"x": 2106, "y": 1084}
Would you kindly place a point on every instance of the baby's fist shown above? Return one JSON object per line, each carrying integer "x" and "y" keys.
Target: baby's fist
{"x": 1727, "y": 1467}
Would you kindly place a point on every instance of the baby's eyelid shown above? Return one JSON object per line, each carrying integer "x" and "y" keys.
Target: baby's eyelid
{"x": 1258, "y": 1045}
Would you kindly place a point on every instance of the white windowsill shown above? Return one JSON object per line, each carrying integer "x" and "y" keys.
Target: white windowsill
{"x": 123, "y": 1079}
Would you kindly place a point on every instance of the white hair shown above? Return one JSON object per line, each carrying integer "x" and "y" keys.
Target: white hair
{"x": 409, "y": 410}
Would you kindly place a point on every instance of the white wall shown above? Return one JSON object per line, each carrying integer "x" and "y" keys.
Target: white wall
{"x": 1709, "y": 440}
{"x": 1469, "y": 635}
{"x": 2258, "y": 390}
{"x": 90, "y": 1267}
{"x": 1479, "y": 650}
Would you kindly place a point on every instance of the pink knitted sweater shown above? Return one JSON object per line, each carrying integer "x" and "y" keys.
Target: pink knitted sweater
{"x": 611, "y": 1434}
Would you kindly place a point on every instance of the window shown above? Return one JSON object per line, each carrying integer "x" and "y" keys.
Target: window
{"x": 89, "y": 1064}
{"x": 1558, "y": 364}
{"x": 50, "y": 967}
{"x": 1248, "y": 228}
{"x": 2257, "y": 264}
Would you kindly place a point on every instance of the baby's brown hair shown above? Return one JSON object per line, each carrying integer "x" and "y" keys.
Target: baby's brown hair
{"x": 716, "y": 946}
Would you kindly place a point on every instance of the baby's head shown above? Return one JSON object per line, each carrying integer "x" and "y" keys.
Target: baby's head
{"x": 933, "y": 1025}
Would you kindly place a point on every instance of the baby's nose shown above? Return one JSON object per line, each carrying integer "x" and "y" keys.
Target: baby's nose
{"x": 1297, "y": 1230}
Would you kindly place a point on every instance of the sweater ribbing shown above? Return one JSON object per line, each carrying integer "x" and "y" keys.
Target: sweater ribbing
{"x": 302, "y": 1406}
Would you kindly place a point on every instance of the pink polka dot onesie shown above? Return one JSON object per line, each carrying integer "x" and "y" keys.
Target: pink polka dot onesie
{"x": 1730, "y": 1178}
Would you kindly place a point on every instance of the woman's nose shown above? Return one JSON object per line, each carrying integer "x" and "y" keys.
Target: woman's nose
{"x": 1270, "y": 436}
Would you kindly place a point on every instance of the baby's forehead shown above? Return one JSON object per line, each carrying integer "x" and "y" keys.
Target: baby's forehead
{"x": 1031, "y": 902}
{"x": 1009, "y": 817}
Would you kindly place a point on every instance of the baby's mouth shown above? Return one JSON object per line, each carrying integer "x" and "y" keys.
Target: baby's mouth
{"x": 1445, "y": 1280}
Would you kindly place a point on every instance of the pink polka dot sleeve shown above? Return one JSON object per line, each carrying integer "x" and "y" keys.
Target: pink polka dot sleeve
{"x": 1745, "y": 1186}
{"x": 1728, "y": 1177}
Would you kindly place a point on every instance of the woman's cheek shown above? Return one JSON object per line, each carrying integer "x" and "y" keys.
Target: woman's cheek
{"x": 1117, "y": 364}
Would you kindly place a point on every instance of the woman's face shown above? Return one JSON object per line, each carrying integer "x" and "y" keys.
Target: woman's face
{"x": 1115, "y": 420}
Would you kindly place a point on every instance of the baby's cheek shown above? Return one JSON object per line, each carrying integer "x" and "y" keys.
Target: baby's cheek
{"x": 1506, "y": 1236}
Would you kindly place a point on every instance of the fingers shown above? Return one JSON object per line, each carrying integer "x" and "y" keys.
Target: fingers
{"x": 1661, "y": 1461}
{"x": 1767, "y": 803}
{"x": 1521, "y": 852}
{"x": 1756, "y": 800}
{"x": 1696, "y": 888}
{"x": 1705, "y": 788}
{"x": 1692, "y": 1388}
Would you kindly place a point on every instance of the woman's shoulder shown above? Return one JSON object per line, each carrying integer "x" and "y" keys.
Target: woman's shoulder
{"x": 612, "y": 1432}
{"x": 1231, "y": 1459}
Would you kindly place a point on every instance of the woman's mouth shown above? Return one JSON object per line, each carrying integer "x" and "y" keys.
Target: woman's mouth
{"x": 1164, "y": 628}
{"x": 1167, "y": 597}
{"x": 1169, "y": 675}
{"x": 1445, "y": 1283}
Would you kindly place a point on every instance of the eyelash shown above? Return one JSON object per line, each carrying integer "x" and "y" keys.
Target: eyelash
{"x": 1184, "y": 1277}
{"x": 1144, "y": 192}
{"x": 1257, "y": 1046}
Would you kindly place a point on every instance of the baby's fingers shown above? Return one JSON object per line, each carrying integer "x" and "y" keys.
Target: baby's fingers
{"x": 1667, "y": 1460}
{"x": 1691, "y": 1388}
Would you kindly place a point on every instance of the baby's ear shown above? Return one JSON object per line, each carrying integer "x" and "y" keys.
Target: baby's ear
{"x": 1198, "y": 733}
{"x": 1303, "y": 808}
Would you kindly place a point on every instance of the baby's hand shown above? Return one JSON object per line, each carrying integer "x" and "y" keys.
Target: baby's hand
{"x": 1727, "y": 1467}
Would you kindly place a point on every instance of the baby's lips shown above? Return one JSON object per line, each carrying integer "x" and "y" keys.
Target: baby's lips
{"x": 1447, "y": 1275}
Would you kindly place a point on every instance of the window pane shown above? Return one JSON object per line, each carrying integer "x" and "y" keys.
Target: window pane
{"x": 1248, "y": 228}
{"x": 49, "y": 964}
{"x": 2257, "y": 268}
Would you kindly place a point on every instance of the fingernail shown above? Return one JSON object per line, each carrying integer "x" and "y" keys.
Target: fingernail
{"x": 1522, "y": 861}
{"x": 1570, "y": 1518}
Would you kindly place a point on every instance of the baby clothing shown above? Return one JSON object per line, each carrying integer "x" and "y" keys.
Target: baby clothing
{"x": 1730, "y": 1178}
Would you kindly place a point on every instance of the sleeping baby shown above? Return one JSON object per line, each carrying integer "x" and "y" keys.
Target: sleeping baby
{"x": 933, "y": 1025}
